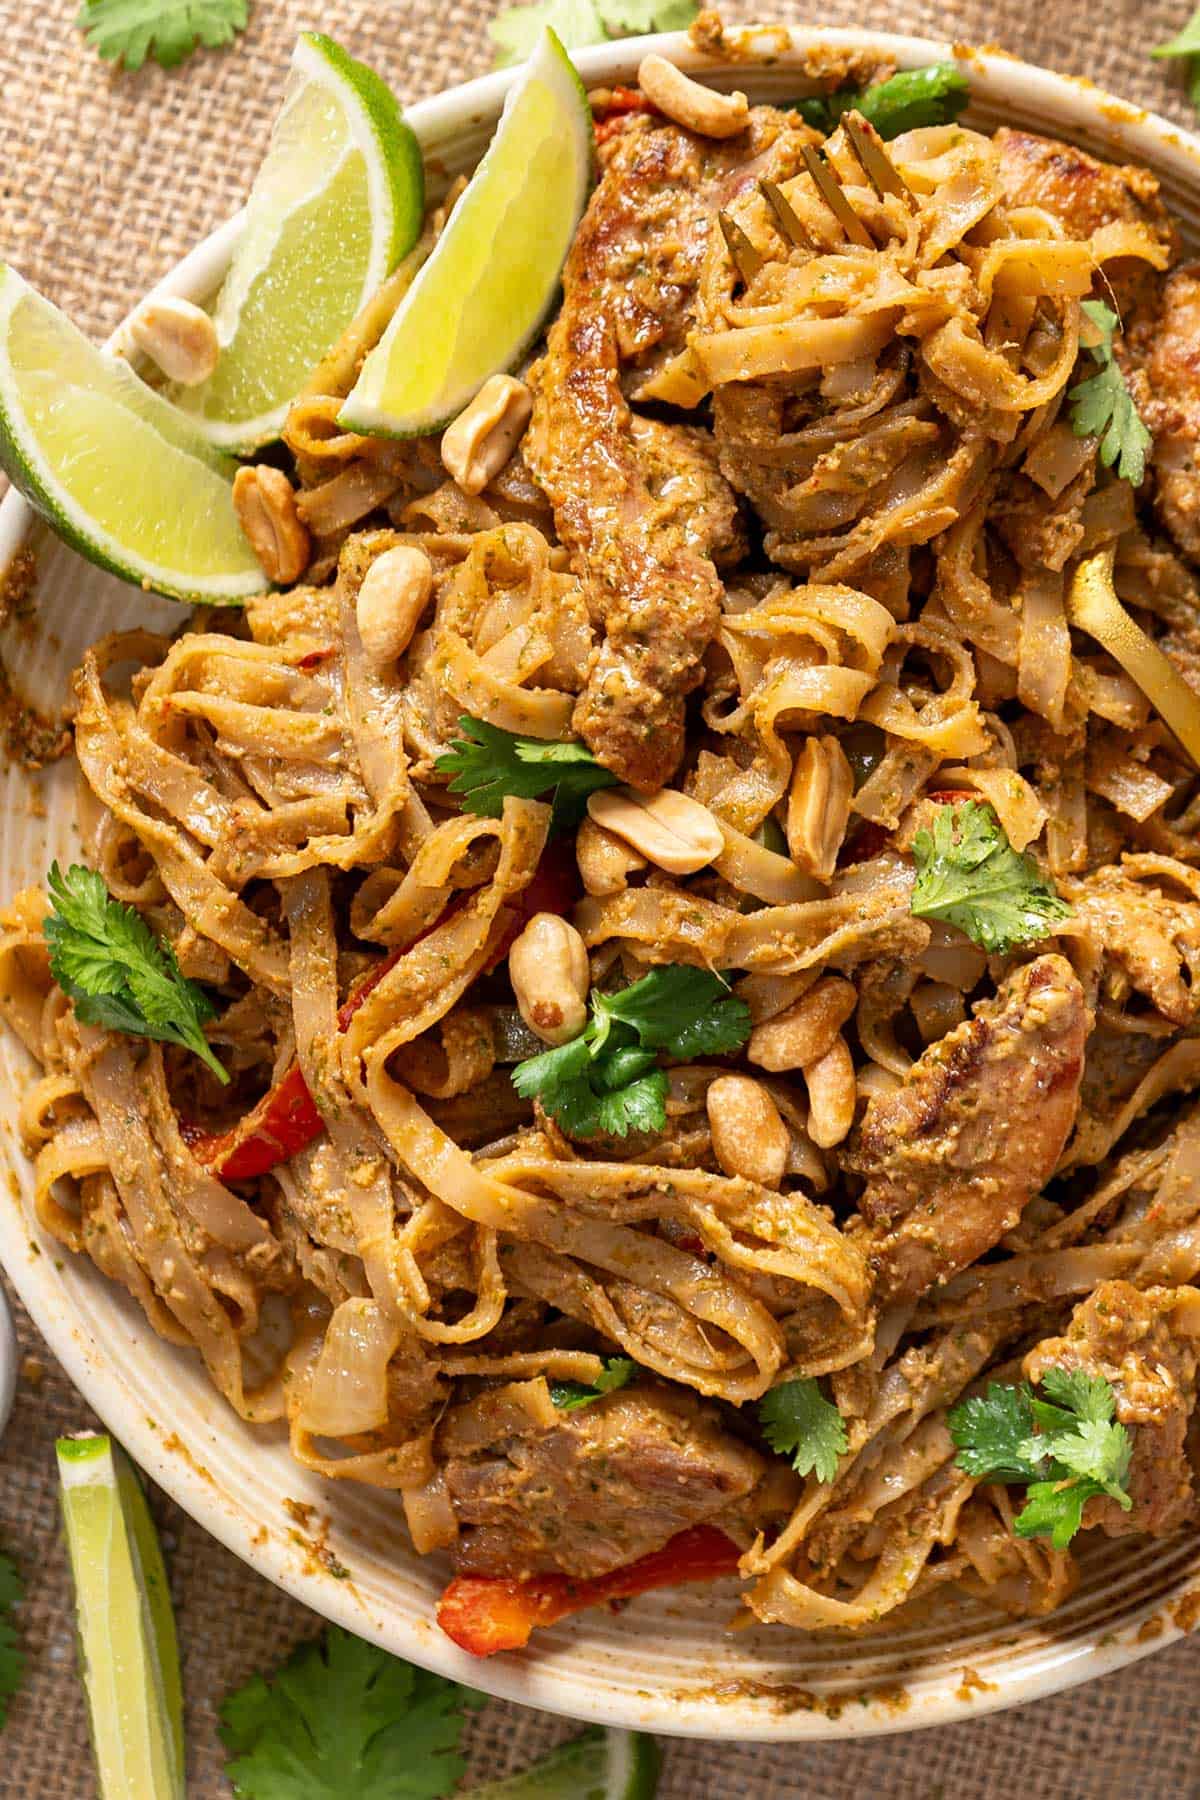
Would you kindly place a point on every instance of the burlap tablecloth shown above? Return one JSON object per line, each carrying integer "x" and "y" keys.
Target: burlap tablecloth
{"x": 105, "y": 181}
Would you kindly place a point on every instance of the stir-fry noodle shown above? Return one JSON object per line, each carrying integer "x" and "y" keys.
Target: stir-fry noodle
{"x": 783, "y": 561}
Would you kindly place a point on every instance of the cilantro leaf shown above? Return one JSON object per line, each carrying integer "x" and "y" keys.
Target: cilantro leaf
{"x": 642, "y": 1106}
{"x": 552, "y": 1068}
{"x": 343, "y": 1717}
{"x": 605, "y": 1082}
{"x": 799, "y": 1422}
{"x": 569, "y": 1396}
{"x": 638, "y": 18}
{"x": 516, "y": 30}
{"x": 1054, "y": 1509}
{"x": 969, "y": 875}
{"x": 934, "y": 95}
{"x": 1185, "y": 42}
{"x": 686, "y": 1012}
{"x": 1077, "y": 1451}
{"x": 120, "y": 976}
{"x": 127, "y": 31}
{"x": 1089, "y": 1396}
{"x": 991, "y": 1432}
{"x": 12, "y": 1662}
{"x": 1102, "y": 406}
{"x": 487, "y": 764}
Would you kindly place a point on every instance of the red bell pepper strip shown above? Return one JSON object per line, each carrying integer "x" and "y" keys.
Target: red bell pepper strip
{"x": 485, "y": 1614}
{"x": 283, "y": 1122}
{"x": 621, "y": 101}
{"x": 286, "y": 1119}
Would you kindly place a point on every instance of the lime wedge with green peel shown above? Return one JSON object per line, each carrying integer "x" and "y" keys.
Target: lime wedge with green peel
{"x": 117, "y": 471}
{"x": 478, "y": 302}
{"x": 337, "y": 203}
{"x": 600, "y": 1765}
{"x": 128, "y": 1653}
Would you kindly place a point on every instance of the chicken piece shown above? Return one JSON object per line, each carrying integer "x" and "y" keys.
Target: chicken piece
{"x": 1129, "y": 1337}
{"x": 691, "y": 494}
{"x": 628, "y": 292}
{"x": 1171, "y": 406}
{"x": 953, "y": 1156}
{"x": 608, "y": 1484}
{"x": 1150, "y": 939}
{"x": 1084, "y": 194}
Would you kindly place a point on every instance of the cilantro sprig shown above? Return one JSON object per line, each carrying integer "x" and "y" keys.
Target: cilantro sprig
{"x": 516, "y": 30}
{"x": 12, "y": 1662}
{"x": 1186, "y": 44}
{"x": 934, "y": 95}
{"x": 606, "y": 1082}
{"x": 120, "y": 976}
{"x": 343, "y": 1717}
{"x": 969, "y": 875}
{"x": 1067, "y": 1448}
{"x": 799, "y": 1422}
{"x": 487, "y": 764}
{"x": 569, "y": 1396}
{"x": 1102, "y": 406}
{"x": 128, "y": 31}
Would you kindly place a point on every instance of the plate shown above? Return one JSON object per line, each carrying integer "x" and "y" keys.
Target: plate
{"x": 666, "y": 1663}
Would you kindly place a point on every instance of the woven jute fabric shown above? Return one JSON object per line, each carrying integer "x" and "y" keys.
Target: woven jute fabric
{"x": 107, "y": 179}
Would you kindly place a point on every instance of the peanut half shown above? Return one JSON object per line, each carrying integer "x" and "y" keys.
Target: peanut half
{"x": 393, "y": 595}
{"x": 179, "y": 337}
{"x": 265, "y": 503}
{"x": 670, "y": 829}
{"x": 689, "y": 103}
{"x": 548, "y": 968}
{"x": 480, "y": 441}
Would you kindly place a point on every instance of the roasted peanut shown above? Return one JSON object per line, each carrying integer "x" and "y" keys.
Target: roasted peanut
{"x": 808, "y": 1028}
{"x": 831, "y": 1095}
{"x": 390, "y": 602}
{"x": 179, "y": 337}
{"x": 265, "y": 504}
{"x": 605, "y": 861}
{"x": 671, "y": 830}
{"x": 480, "y": 441}
{"x": 690, "y": 104}
{"x": 548, "y": 968}
{"x": 819, "y": 806}
{"x": 749, "y": 1138}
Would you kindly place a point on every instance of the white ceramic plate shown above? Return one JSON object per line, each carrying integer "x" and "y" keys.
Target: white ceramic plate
{"x": 665, "y": 1664}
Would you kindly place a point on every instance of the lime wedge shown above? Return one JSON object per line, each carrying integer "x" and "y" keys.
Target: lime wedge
{"x": 336, "y": 204}
{"x": 600, "y": 1765}
{"x": 117, "y": 471}
{"x": 477, "y": 303}
{"x": 128, "y": 1654}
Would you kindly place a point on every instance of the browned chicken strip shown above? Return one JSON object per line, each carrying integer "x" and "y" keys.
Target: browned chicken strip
{"x": 610, "y": 1483}
{"x": 627, "y": 289}
{"x": 953, "y": 1156}
{"x": 1170, "y": 405}
{"x": 1128, "y": 1338}
{"x": 1149, "y": 937}
{"x": 1083, "y": 194}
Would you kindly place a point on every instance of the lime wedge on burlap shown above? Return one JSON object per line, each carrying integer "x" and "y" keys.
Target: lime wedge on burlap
{"x": 118, "y": 472}
{"x": 128, "y": 1654}
{"x": 600, "y": 1765}
{"x": 478, "y": 302}
{"x": 336, "y": 204}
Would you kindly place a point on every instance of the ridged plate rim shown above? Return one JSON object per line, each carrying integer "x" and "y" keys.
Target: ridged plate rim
{"x": 664, "y": 1665}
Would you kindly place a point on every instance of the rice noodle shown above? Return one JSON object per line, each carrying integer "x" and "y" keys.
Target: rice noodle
{"x": 849, "y": 574}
